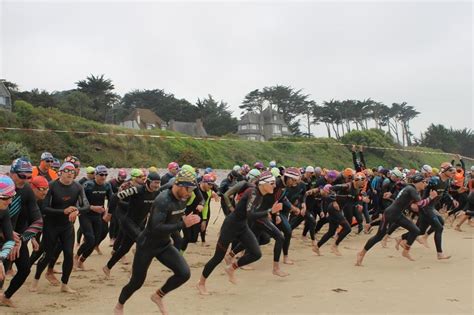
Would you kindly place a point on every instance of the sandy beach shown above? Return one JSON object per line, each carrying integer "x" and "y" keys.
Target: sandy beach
{"x": 386, "y": 284}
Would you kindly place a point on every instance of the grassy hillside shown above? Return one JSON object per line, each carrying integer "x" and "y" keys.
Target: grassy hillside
{"x": 130, "y": 151}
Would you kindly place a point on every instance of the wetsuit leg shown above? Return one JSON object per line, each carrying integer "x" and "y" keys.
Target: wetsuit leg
{"x": 346, "y": 229}
{"x": 270, "y": 229}
{"x": 285, "y": 227}
{"x": 252, "y": 250}
{"x": 123, "y": 249}
{"x": 141, "y": 263}
{"x": 330, "y": 233}
{"x": 92, "y": 229}
{"x": 379, "y": 236}
{"x": 23, "y": 270}
{"x": 173, "y": 260}
{"x": 50, "y": 240}
{"x": 228, "y": 233}
{"x": 321, "y": 222}
{"x": 413, "y": 230}
{"x": 67, "y": 240}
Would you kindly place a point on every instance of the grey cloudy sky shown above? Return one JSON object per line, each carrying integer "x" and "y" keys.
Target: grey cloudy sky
{"x": 420, "y": 53}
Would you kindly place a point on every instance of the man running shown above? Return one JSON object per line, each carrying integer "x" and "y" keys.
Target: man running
{"x": 166, "y": 217}
{"x": 26, "y": 221}
{"x": 394, "y": 215}
{"x": 63, "y": 203}
{"x": 235, "y": 226}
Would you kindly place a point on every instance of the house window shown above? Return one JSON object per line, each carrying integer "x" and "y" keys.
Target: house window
{"x": 284, "y": 129}
{"x": 252, "y": 138}
{"x": 3, "y": 100}
{"x": 254, "y": 126}
{"x": 274, "y": 117}
{"x": 276, "y": 129}
{"x": 243, "y": 127}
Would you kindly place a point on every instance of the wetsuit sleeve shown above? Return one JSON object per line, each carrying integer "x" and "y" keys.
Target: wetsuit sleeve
{"x": 47, "y": 205}
{"x": 159, "y": 213}
{"x": 168, "y": 185}
{"x": 231, "y": 192}
{"x": 7, "y": 230}
{"x": 354, "y": 161}
{"x": 82, "y": 202}
{"x": 362, "y": 161}
{"x": 35, "y": 219}
{"x": 252, "y": 205}
{"x": 199, "y": 197}
{"x": 110, "y": 192}
{"x": 113, "y": 204}
{"x": 127, "y": 193}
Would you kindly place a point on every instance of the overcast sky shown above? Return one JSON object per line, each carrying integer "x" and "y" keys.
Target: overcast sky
{"x": 420, "y": 53}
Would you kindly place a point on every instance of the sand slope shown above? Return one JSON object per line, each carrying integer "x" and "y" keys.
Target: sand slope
{"x": 388, "y": 283}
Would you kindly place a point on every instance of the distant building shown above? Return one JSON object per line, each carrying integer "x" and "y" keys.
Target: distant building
{"x": 142, "y": 118}
{"x": 5, "y": 98}
{"x": 269, "y": 124}
{"x": 194, "y": 129}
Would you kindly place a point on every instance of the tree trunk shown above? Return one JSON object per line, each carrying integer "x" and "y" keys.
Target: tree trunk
{"x": 309, "y": 126}
{"x": 328, "y": 129}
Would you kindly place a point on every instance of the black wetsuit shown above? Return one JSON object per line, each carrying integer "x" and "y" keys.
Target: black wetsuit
{"x": 235, "y": 227}
{"x": 140, "y": 201}
{"x": 27, "y": 221}
{"x": 114, "y": 222}
{"x": 57, "y": 226}
{"x": 335, "y": 218}
{"x": 394, "y": 215}
{"x": 154, "y": 242}
{"x": 91, "y": 223}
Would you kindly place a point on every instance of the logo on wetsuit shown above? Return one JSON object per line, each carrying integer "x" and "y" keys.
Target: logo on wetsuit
{"x": 178, "y": 211}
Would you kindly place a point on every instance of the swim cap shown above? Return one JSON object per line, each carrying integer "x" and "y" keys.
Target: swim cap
{"x": 272, "y": 164}
{"x": 275, "y": 171}
{"x": 101, "y": 169}
{"x": 7, "y": 186}
{"x": 348, "y": 172}
{"x": 135, "y": 172}
{"x": 292, "y": 172}
{"x": 39, "y": 182}
{"x": 153, "y": 176}
{"x": 46, "y": 156}
{"x": 185, "y": 178}
{"x": 265, "y": 178}
{"x": 254, "y": 173}
{"x": 309, "y": 169}
{"x": 21, "y": 165}
{"x": 173, "y": 165}
{"x": 90, "y": 170}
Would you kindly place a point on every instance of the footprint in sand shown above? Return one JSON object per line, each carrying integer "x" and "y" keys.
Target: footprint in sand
{"x": 339, "y": 290}
{"x": 453, "y": 300}
{"x": 297, "y": 296}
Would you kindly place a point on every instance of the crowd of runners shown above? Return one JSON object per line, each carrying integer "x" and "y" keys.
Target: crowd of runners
{"x": 162, "y": 214}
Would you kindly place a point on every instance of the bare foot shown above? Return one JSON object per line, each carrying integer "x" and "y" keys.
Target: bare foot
{"x": 367, "y": 228}
{"x": 423, "y": 239}
{"x": 228, "y": 259}
{"x": 458, "y": 228}
{"x": 384, "y": 242}
{"x": 80, "y": 265}
{"x": 278, "y": 272}
{"x": 6, "y": 302}
{"x": 360, "y": 257}
{"x": 52, "y": 279}
{"x": 112, "y": 242}
{"x": 106, "y": 271}
{"x": 397, "y": 244}
{"x": 59, "y": 272}
{"x": 34, "y": 286}
{"x": 159, "y": 302}
{"x": 124, "y": 260}
{"x": 406, "y": 254}
{"x": 335, "y": 250}
{"x": 231, "y": 274}
{"x": 316, "y": 250}
{"x": 118, "y": 309}
{"x": 202, "y": 288}
{"x": 287, "y": 261}
{"x": 443, "y": 256}
{"x": 247, "y": 267}
{"x": 97, "y": 249}
{"x": 65, "y": 288}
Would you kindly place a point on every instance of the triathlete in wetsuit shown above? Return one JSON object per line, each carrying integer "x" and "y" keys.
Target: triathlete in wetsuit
{"x": 166, "y": 217}
{"x": 63, "y": 203}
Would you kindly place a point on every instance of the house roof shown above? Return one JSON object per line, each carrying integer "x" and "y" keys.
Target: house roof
{"x": 194, "y": 129}
{"x": 3, "y": 90}
{"x": 146, "y": 117}
{"x": 268, "y": 116}
{"x": 249, "y": 118}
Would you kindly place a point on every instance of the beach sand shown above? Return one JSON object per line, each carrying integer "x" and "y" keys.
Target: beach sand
{"x": 386, "y": 284}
